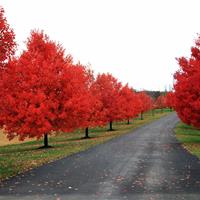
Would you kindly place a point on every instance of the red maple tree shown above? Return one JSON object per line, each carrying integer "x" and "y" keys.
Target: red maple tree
{"x": 108, "y": 89}
{"x": 187, "y": 87}
{"x": 95, "y": 114}
{"x": 129, "y": 103}
{"x": 7, "y": 49}
{"x": 43, "y": 91}
{"x": 145, "y": 104}
{"x": 160, "y": 102}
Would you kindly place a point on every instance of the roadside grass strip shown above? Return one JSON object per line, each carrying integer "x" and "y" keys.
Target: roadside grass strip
{"x": 189, "y": 137}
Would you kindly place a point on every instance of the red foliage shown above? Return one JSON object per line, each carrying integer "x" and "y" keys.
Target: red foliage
{"x": 129, "y": 103}
{"x": 108, "y": 89}
{"x": 7, "y": 36}
{"x": 187, "y": 87}
{"x": 95, "y": 115}
{"x": 160, "y": 102}
{"x": 43, "y": 91}
{"x": 170, "y": 99}
{"x": 146, "y": 102}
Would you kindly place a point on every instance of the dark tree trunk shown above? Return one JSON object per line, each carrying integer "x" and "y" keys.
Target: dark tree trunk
{"x": 142, "y": 116}
{"x": 128, "y": 122}
{"x": 46, "y": 143}
{"x": 111, "y": 129}
{"x": 87, "y": 132}
{"x": 46, "y": 140}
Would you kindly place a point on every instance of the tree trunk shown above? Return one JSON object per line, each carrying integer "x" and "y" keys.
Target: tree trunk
{"x": 86, "y": 132}
{"x": 128, "y": 122}
{"x": 111, "y": 129}
{"x": 46, "y": 145}
{"x": 142, "y": 116}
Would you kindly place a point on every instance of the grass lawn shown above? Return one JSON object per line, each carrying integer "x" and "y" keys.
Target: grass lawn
{"x": 189, "y": 137}
{"x": 17, "y": 158}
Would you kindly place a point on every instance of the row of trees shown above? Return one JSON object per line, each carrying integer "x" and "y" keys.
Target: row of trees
{"x": 187, "y": 87}
{"x": 43, "y": 91}
{"x": 165, "y": 101}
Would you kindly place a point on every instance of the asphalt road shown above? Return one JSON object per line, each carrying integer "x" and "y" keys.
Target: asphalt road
{"x": 148, "y": 164}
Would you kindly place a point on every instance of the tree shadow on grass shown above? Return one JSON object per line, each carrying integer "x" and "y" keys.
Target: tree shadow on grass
{"x": 45, "y": 147}
{"x": 11, "y": 151}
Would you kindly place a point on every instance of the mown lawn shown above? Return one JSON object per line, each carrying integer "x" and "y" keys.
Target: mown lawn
{"x": 16, "y": 158}
{"x": 189, "y": 137}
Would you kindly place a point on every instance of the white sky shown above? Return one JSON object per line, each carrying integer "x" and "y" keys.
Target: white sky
{"x": 135, "y": 40}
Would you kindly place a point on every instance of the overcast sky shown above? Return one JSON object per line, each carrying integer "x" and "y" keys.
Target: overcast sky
{"x": 135, "y": 40}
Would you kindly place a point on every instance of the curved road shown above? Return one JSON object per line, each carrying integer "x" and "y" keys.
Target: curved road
{"x": 148, "y": 164}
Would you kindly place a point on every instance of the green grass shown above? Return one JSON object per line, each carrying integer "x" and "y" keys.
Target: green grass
{"x": 17, "y": 158}
{"x": 189, "y": 137}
